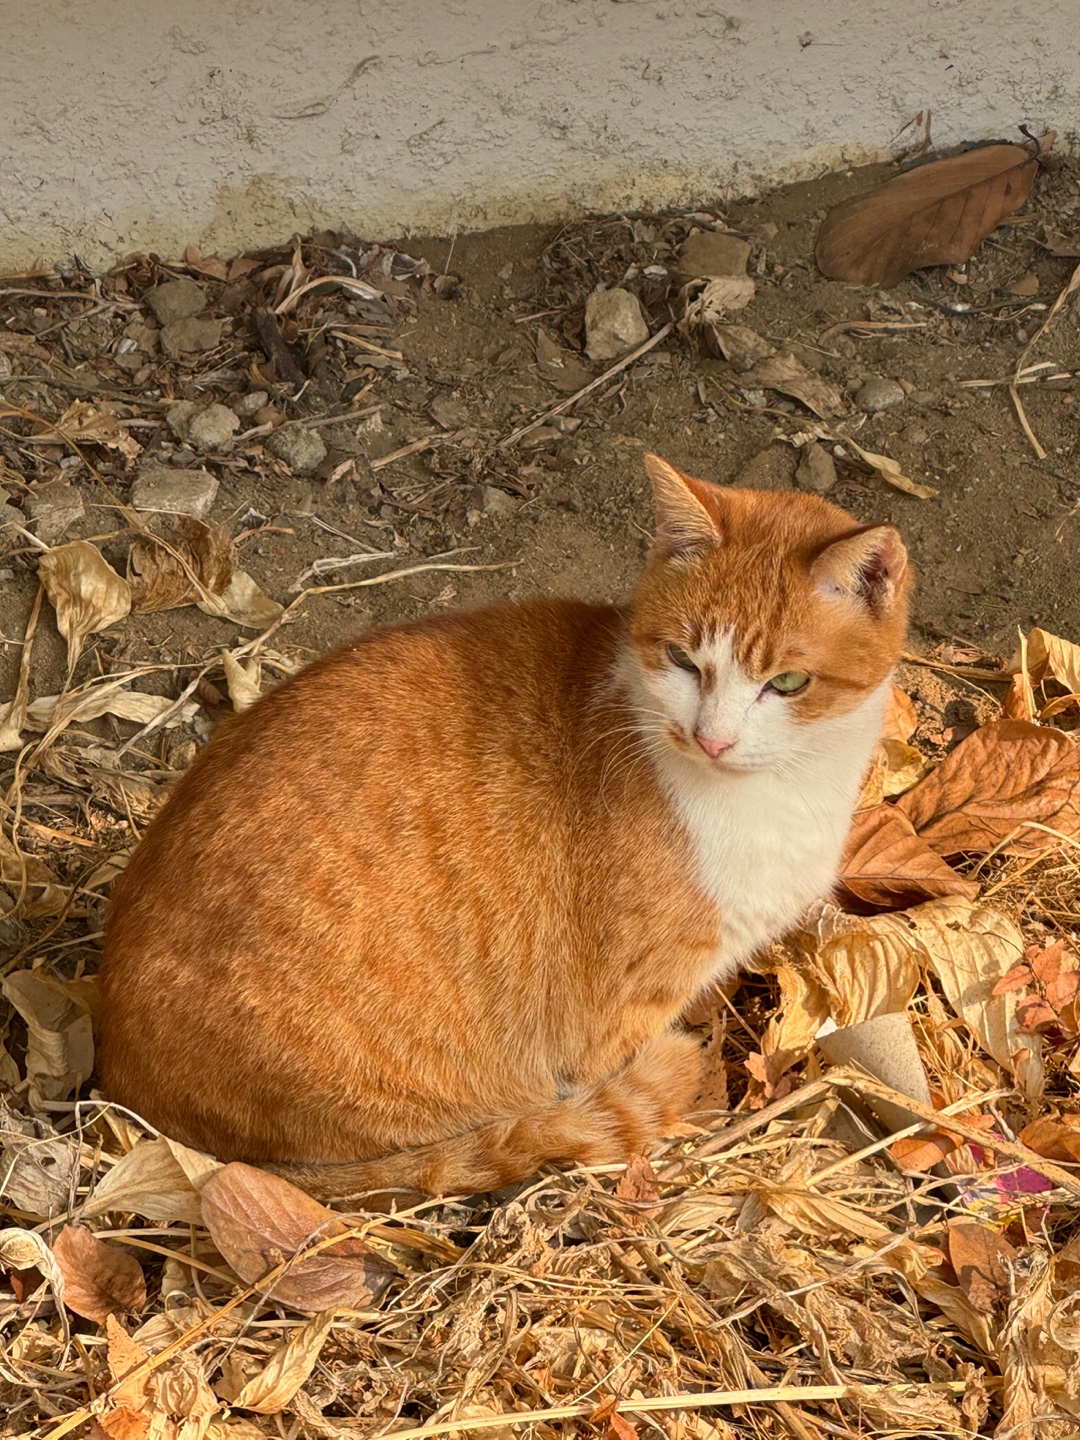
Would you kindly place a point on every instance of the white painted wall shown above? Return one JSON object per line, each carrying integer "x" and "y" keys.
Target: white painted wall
{"x": 135, "y": 124}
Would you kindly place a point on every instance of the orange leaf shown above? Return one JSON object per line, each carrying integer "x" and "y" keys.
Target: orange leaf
{"x": 901, "y": 719}
{"x": 935, "y": 214}
{"x": 637, "y": 1185}
{"x": 125, "y": 1424}
{"x": 99, "y": 1279}
{"x": 922, "y": 1152}
{"x": 998, "y": 783}
{"x": 1016, "y": 979}
{"x": 1051, "y": 1139}
{"x": 888, "y": 866}
{"x": 982, "y": 1260}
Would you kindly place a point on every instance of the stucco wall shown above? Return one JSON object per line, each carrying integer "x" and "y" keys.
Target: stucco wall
{"x": 135, "y": 124}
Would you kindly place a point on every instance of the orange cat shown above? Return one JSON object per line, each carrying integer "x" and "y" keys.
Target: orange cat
{"x": 428, "y": 914}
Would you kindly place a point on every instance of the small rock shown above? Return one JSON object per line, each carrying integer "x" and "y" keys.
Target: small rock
{"x": 164, "y": 491}
{"x": 498, "y": 502}
{"x": 191, "y": 334}
{"x": 878, "y": 394}
{"x": 541, "y": 438}
{"x": 178, "y": 417}
{"x": 176, "y": 300}
{"x": 246, "y": 405}
{"x": 213, "y": 428}
{"x": 817, "y": 470}
{"x": 302, "y": 450}
{"x": 770, "y": 469}
{"x": 613, "y": 324}
{"x": 143, "y": 337}
{"x": 52, "y": 508}
{"x": 708, "y": 254}
{"x": 451, "y": 414}
{"x": 914, "y": 435}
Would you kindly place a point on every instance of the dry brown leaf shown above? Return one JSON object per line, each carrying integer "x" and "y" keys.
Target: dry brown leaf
{"x": 243, "y": 603}
{"x": 287, "y": 1369}
{"x": 242, "y": 680}
{"x": 921, "y": 1153}
{"x": 148, "y": 1181}
{"x": 782, "y": 371}
{"x": 257, "y": 1219}
{"x": 803, "y": 1009}
{"x": 890, "y": 471}
{"x": 866, "y": 966}
{"x": 1052, "y": 1140}
{"x": 901, "y": 717}
{"x": 1019, "y": 702}
{"x": 125, "y": 1355}
{"x": 86, "y": 424}
{"x": 904, "y": 767}
{"x": 109, "y": 699}
{"x": 86, "y": 592}
{"x": 34, "y": 889}
{"x": 740, "y": 345}
{"x": 887, "y": 865}
{"x": 99, "y": 1279}
{"x": 936, "y": 214}
{"x": 161, "y": 578}
{"x": 60, "y": 1037}
{"x": 982, "y": 1260}
{"x": 822, "y": 1215}
{"x": 1004, "y": 779}
{"x": 971, "y": 947}
{"x": 1050, "y": 656}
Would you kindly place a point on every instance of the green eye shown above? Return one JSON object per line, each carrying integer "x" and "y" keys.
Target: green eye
{"x": 679, "y": 657}
{"x": 789, "y": 683}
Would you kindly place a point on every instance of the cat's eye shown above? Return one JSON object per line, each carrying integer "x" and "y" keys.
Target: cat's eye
{"x": 790, "y": 682}
{"x": 678, "y": 656}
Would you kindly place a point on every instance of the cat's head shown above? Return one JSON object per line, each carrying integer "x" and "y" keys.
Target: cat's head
{"x": 759, "y": 616}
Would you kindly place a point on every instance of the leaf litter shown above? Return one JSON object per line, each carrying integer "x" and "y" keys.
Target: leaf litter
{"x": 763, "y": 1272}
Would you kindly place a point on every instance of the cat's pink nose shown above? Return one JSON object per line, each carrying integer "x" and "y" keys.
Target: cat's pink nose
{"x": 714, "y": 745}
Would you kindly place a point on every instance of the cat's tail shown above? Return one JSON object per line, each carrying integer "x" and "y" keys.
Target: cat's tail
{"x": 599, "y": 1125}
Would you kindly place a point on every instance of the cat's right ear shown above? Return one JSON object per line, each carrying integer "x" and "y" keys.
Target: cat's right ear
{"x": 685, "y": 524}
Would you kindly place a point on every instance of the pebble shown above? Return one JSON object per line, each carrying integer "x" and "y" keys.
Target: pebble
{"x": 52, "y": 509}
{"x": 817, "y": 470}
{"x": 164, "y": 491}
{"x": 498, "y": 502}
{"x": 176, "y": 300}
{"x": 708, "y": 254}
{"x": 613, "y": 324}
{"x": 213, "y": 428}
{"x": 302, "y": 450}
{"x": 190, "y": 334}
{"x": 178, "y": 417}
{"x": 246, "y": 405}
{"x": 914, "y": 435}
{"x": 879, "y": 394}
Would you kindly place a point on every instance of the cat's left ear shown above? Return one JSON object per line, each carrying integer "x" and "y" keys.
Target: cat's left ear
{"x": 867, "y": 565}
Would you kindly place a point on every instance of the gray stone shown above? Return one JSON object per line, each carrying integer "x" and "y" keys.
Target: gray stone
{"x": 164, "y": 491}
{"x": 302, "y": 450}
{"x": 178, "y": 417}
{"x": 176, "y": 300}
{"x": 52, "y": 509}
{"x": 707, "y": 254}
{"x": 246, "y": 405}
{"x": 914, "y": 435}
{"x": 213, "y": 428}
{"x": 816, "y": 470}
{"x": 190, "y": 334}
{"x": 879, "y": 394}
{"x": 613, "y": 324}
{"x": 497, "y": 502}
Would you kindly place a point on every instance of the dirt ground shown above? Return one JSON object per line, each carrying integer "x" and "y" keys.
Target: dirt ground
{"x": 449, "y": 358}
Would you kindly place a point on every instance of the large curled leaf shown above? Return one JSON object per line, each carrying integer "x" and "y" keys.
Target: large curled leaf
{"x": 887, "y": 865}
{"x": 167, "y": 576}
{"x": 935, "y": 214}
{"x": 86, "y": 591}
{"x": 99, "y": 1279}
{"x": 1010, "y": 783}
{"x": 256, "y": 1220}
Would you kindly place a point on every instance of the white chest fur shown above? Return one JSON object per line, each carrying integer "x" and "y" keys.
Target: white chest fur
{"x": 766, "y": 844}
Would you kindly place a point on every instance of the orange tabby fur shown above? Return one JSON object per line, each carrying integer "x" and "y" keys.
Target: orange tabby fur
{"x": 426, "y": 915}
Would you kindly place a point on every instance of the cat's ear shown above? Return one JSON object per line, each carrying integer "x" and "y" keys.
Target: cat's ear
{"x": 867, "y": 565}
{"x": 685, "y": 523}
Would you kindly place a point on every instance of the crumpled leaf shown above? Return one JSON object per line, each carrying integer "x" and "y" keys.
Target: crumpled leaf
{"x": 1000, "y": 783}
{"x": 1053, "y": 1139}
{"x": 60, "y": 1037}
{"x": 243, "y": 603}
{"x": 865, "y": 966}
{"x": 706, "y": 310}
{"x": 1049, "y": 656}
{"x": 242, "y": 680}
{"x": 148, "y": 1181}
{"x": 740, "y": 345}
{"x": 894, "y": 768}
{"x": 38, "y": 1176}
{"x": 85, "y": 590}
{"x": 99, "y": 1279}
{"x": 561, "y": 367}
{"x": 782, "y": 371}
{"x": 34, "y": 889}
{"x": 159, "y": 579}
{"x": 22, "y": 1249}
{"x": 970, "y": 948}
{"x": 890, "y": 471}
{"x": 982, "y": 1260}
{"x": 287, "y": 1369}
{"x": 87, "y": 424}
{"x": 256, "y": 1219}
{"x": 901, "y": 718}
{"x": 887, "y": 865}
{"x": 116, "y": 700}
{"x": 935, "y": 214}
